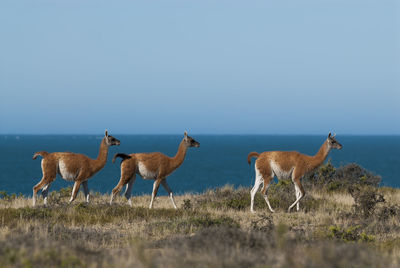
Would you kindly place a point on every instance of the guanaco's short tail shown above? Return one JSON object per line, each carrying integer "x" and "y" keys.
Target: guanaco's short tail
{"x": 252, "y": 154}
{"x": 41, "y": 153}
{"x": 123, "y": 156}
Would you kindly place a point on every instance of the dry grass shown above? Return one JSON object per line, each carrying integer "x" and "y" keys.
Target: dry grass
{"x": 214, "y": 229}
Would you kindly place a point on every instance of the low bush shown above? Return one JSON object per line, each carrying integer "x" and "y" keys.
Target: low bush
{"x": 365, "y": 198}
{"x": 355, "y": 174}
{"x": 386, "y": 212}
{"x": 329, "y": 178}
{"x": 187, "y": 204}
{"x": 350, "y": 234}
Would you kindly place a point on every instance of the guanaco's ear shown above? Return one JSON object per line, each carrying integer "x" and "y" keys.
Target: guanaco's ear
{"x": 106, "y": 133}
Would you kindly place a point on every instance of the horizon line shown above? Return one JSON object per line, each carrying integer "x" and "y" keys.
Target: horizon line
{"x": 194, "y": 133}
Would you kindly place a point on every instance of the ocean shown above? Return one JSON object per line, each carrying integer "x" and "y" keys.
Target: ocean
{"x": 220, "y": 160}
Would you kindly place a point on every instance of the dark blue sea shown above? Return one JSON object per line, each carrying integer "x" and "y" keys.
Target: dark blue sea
{"x": 220, "y": 160}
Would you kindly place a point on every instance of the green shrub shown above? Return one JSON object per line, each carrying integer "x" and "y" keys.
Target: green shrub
{"x": 326, "y": 172}
{"x": 334, "y": 186}
{"x": 187, "y": 205}
{"x": 388, "y": 211}
{"x": 365, "y": 198}
{"x": 355, "y": 174}
{"x": 351, "y": 234}
{"x": 329, "y": 178}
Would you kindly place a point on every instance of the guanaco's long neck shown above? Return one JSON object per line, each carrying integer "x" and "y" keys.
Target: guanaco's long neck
{"x": 101, "y": 160}
{"x": 177, "y": 160}
{"x": 319, "y": 157}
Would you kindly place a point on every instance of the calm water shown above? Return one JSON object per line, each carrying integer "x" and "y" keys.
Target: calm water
{"x": 220, "y": 160}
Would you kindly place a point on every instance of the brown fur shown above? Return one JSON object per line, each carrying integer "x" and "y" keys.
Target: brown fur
{"x": 156, "y": 163}
{"x": 252, "y": 154}
{"x": 79, "y": 166}
{"x": 41, "y": 153}
{"x": 293, "y": 163}
{"x": 123, "y": 156}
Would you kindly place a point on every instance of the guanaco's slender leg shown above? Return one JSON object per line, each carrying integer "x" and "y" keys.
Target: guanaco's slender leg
{"x": 36, "y": 188}
{"x": 258, "y": 182}
{"x": 45, "y": 192}
{"x": 116, "y": 190}
{"x": 75, "y": 190}
{"x": 302, "y": 193}
{"x": 264, "y": 191}
{"x": 127, "y": 173}
{"x": 156, "y": 185}
{"x": 166, "y": 187}
{"x": 297, "y": 190}
{"x": 86, "y": 190}
{"x": 128, "y": 191}
{"x": 49, "y": 174}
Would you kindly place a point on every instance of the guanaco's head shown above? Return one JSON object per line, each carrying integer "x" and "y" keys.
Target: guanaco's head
{"x": 333, "y": 143}
{"x": 110, "y": 140}
{"x": 190, "y": 142}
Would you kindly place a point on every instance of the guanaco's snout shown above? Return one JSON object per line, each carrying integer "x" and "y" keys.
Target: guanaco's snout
{"x": 333, "y": 142}
{"x": 190, "y": 142}
{"x": 110, "y": 140}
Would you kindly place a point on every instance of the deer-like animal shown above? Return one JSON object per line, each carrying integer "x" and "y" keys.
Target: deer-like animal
{"x": 71, "y": 167}
{"x": 286, "y": 165}
{"x": 155, "y": 166}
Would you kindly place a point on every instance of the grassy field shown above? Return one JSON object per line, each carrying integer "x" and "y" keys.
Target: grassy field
{"x": 343, "y": 222}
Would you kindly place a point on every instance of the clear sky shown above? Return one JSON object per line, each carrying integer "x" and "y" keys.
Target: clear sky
{"x": 216, "y": 67}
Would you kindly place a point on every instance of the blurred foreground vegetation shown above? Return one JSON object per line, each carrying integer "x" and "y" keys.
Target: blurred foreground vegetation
{"x": 345, "y": 220}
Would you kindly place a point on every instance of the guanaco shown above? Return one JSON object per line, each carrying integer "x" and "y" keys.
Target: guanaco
{"x": 286, "y": 165}
{"x": 155, "y": 166}
{"x": 71, "y": 167}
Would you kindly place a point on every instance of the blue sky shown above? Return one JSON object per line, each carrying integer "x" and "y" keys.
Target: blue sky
{"x": 237, "y": 67}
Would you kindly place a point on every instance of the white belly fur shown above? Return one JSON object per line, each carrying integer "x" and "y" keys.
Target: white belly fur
{"x": 145, "y": 173}
{"x": 65, "y": 174}
{"x": 279, "y": 173}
